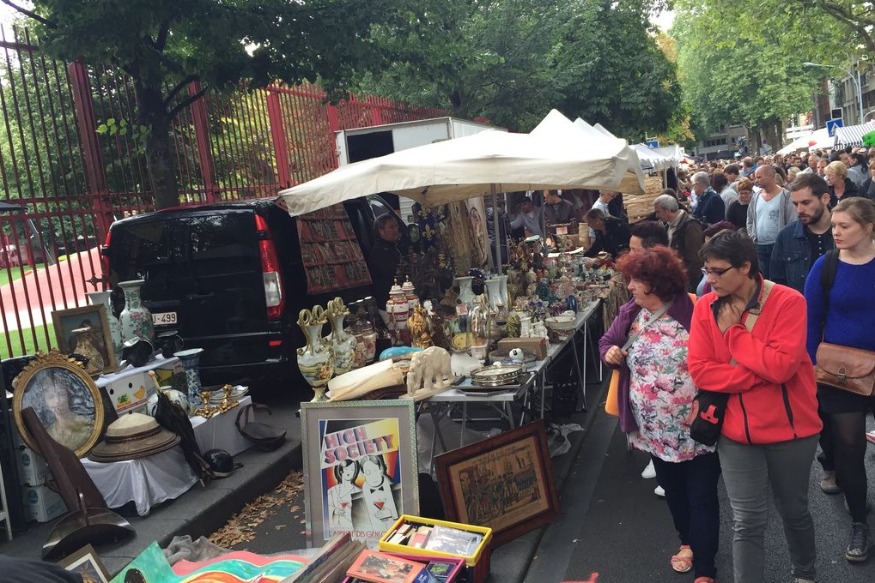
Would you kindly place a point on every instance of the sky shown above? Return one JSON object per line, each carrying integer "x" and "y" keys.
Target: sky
{"x": 665, "y": 20}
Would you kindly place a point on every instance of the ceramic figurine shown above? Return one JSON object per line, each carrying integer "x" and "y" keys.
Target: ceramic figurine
{"x": 420, "y": 326}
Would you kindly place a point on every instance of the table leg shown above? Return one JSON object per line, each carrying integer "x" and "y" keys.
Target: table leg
{"x": 581, "y": 374}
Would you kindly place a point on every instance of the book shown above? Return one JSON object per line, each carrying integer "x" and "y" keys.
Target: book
{"x": 453, "y": 541}
{"x": 377, "y": 567}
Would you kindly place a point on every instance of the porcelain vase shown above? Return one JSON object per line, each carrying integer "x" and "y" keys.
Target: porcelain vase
{"x": 466, "y": 294}
{"x": 343, "y": 344}
{"x": 316, "y": 359}
{"x": 135, "y": 319}
{"x": 190, "y": 360}
{"x": 102, "y": 298}
{"x": 493, "y": 292}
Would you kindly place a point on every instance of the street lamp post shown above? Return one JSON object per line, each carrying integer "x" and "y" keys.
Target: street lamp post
{"x": 854, "y": 78}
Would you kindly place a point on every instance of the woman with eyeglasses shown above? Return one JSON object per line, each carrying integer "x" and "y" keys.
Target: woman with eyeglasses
{"x": 770, "y": 428}
{"x": 737, "y": 211}
{"x": 655, "y": 396}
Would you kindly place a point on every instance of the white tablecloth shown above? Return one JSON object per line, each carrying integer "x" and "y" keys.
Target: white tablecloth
{"x": 219, "y": 432}
{"x": 145, "y": 481}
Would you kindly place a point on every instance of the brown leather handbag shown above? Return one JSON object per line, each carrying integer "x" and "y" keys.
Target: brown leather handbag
{"x": 846, "y": 368}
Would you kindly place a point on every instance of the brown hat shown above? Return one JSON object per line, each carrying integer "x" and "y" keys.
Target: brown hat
{"x": 133, "y": 436}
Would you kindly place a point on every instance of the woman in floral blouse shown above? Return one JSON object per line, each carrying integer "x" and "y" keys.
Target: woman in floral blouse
{"x": 655, "y": 396}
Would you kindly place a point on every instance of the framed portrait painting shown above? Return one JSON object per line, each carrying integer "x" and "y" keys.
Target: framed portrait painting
{"x": 87, "y": 565}
{"x": 85, "y": 331}
{"x": 360, "y": 471}
{"x": 504, "y": 482}
{"x": 64, "y": 398}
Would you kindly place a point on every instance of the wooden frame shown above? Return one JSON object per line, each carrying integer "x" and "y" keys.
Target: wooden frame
{"x": 87, "y": 564}
{"x": 504, "y": 483}
{"x": 360, "y": 467}
{"x": 65, "y": 399}
{"x": 94, "y": 317}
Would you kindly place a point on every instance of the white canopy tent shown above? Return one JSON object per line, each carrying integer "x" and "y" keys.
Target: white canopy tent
{"x": 651, "y": 159}
{"x": 472, "y": 166}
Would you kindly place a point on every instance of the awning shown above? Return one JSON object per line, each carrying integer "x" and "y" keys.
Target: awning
{"x": 853, "y": 135}
{"x": 651, "y": 159}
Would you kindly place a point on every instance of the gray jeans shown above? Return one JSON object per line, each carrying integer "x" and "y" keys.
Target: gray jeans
{"x": 748, "y": 470}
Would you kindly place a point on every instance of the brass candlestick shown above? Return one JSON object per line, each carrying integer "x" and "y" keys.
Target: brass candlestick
{"x": 205, "y": 410}
{"x": 227, "y": 402}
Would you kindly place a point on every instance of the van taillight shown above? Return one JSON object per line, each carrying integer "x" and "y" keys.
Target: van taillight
{"x": 104, "y": 257}
{"x": 270, "y": 271}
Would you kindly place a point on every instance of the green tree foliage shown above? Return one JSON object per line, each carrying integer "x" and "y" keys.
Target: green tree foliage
{"x": 741, "y": 62}
{"x": 511, "y": 61}
{"x": 164, "y": 45}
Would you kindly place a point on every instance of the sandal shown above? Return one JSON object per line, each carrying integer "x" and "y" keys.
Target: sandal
{"x": 683, "y": 561}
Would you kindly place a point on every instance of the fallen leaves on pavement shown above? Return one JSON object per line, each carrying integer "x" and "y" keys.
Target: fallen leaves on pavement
{"x": 241, "y": 527}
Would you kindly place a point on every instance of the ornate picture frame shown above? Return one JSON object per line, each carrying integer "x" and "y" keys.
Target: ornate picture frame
{"x": 360, "y": 467}
{"x": 65, "y": 399}
{"x": 504, "y": 482}
{"x": 86, "y": 564}
{"x": 94, "y": 317}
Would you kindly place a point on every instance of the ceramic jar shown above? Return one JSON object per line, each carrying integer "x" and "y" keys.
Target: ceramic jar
{"x": 190, "y": 360}
{"x": 84, "y": 345}
{"x": 135, "y": 319}
{"x": 342, "y": 343}
{"x": 398, "y": 307}
{"x": 102, "y": 298}
{"x": 410, "y": 294}
{"x": 316, "y": 358}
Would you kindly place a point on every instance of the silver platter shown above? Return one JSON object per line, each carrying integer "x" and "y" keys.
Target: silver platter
{"x": 496, "y": 375}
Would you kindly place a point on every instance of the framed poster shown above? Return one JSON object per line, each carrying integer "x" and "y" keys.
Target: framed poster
{"x": 98, "y": 342}
{"x": 64, "y": 398}
{"x": 505, "y": 482}
{"x": 360, "y": 470}
{"x": 87, "y": 565}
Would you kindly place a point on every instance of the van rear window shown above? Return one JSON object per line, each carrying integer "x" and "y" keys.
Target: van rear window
{"x": 188, "y": 245}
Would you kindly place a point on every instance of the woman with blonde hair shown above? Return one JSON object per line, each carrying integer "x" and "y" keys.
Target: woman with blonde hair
{"x": 840, "y": 186}
{"x": 843, "y": 315}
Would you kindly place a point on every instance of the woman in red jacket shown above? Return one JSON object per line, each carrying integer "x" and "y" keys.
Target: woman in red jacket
{"x": 771, "y": 425}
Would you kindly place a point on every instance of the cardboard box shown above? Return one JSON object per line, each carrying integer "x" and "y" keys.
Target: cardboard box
{"x": 476, "y": 564}
{"x": 130, "y": 389}
{"x": 42, "y": 504}
{"x": 537, "y": 345}
{"x": 32, "y": 468}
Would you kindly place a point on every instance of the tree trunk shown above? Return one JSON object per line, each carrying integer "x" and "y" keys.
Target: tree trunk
{"x": 160, "y": 160}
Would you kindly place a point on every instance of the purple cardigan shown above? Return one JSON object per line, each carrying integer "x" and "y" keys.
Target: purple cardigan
{"x": 681, "y": 310}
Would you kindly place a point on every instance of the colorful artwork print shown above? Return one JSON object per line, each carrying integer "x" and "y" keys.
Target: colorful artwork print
{"x": 150, "y": 566}
{"x": 361, "y": 476}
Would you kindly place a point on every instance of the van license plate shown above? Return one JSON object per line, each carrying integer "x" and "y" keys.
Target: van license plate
{"x": 163, "y": 318}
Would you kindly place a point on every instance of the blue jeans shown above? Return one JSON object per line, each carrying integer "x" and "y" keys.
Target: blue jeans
{"x": 764, "y": 256}
{"x": 691, "y": 493}
{"x": 748, "y": 470}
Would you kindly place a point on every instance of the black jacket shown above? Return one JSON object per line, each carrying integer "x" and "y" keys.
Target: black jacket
{"x": 382, "y": 263}
{"x": 851, "y": 190}
{"x": 614, "y": 239}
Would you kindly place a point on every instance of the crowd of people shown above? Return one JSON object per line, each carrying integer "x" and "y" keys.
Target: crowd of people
{"x": 736, "y": 280}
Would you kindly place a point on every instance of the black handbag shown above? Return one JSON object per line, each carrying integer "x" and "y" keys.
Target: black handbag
{"x": 708, "y": 412}
{"x": 263, "y": 436}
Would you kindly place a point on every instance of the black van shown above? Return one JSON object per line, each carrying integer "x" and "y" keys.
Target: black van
{"x": 228, "y": 278}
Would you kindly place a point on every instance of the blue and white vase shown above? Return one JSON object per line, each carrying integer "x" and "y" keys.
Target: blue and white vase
{"x": 190, "y": 360}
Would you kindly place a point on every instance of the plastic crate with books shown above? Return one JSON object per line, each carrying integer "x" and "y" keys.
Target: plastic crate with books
{"x": 384, "y": 567}
{"x": 418, "y": 536}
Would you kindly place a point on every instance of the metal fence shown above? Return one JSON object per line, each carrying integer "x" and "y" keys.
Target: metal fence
{"x": 65, "y": 178}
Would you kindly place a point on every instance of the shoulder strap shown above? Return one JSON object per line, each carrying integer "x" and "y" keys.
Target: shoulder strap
{"x": 656, "y": 316}
{"x": 753, "y": 315}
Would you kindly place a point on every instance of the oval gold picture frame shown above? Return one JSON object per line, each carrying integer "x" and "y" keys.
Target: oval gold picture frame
{"x": 34, "y": 377}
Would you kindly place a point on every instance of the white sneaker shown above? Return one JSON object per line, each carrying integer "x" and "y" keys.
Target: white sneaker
{"x": 870, "y": 437}
{"x": 649, "y": 472}
{"x": 659, "y": 492}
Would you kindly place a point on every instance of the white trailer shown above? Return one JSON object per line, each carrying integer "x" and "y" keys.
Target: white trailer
{"x": 364, "y": 143}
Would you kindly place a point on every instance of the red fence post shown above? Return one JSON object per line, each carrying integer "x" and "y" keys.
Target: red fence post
{"x": 280, "y": 144}
{"x": 202, "y": 138}
{"x": 94, "y": 167}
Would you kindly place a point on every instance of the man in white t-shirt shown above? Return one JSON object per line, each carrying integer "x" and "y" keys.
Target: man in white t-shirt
{"x": 769, "y": 211}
